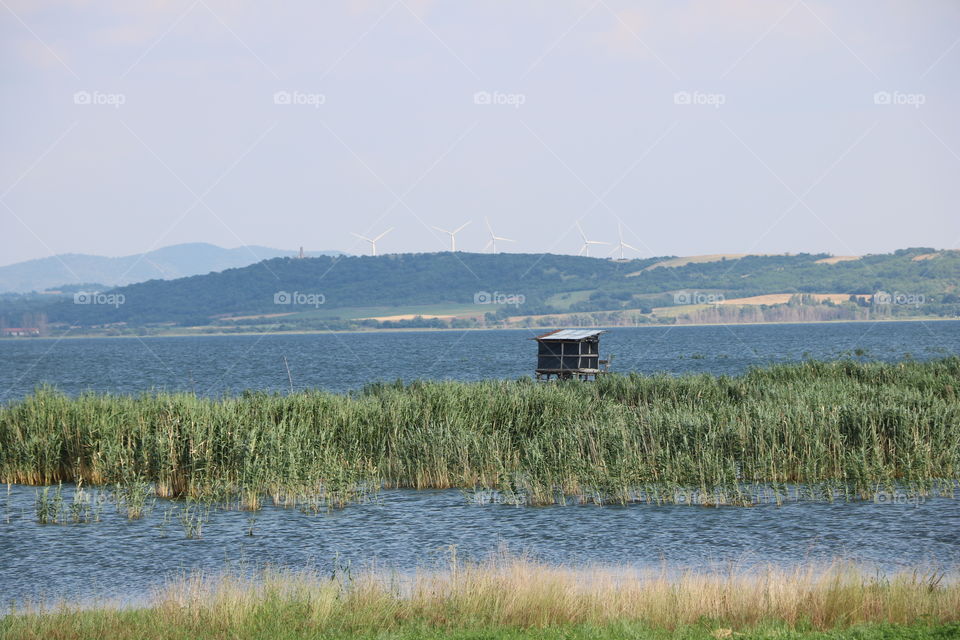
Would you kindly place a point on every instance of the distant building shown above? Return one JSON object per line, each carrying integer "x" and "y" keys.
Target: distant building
{"x": 23, "y": 332}
{"x": 570, "y": 353}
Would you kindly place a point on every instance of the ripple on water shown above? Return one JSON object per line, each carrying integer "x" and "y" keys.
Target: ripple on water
{"x": 116, "y": 558}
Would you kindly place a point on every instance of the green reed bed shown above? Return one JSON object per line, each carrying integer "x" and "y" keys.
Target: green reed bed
{"x": 814, "y": 430}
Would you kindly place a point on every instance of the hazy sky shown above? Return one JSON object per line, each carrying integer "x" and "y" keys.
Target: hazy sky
{"x": 702, "y": 126}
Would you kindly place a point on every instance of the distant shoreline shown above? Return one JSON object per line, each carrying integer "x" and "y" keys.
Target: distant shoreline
{"x": 537, "y": 330}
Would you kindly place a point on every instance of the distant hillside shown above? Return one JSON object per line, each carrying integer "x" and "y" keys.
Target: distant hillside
{"x": 509, "y": 284}
{"x": 167, "y": 263}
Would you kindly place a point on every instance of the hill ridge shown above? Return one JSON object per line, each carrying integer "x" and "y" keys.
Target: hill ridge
{"x": 168, "y": 262}
{"x": 502, "y": 285}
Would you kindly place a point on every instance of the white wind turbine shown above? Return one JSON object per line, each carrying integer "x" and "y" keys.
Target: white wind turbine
{"x": 453, "y": 234}
{"x": 585, "y": 249}
{"x": 373, "y": 241}
{"x": 494, "y": 237}
{"x": 622, "y": 245}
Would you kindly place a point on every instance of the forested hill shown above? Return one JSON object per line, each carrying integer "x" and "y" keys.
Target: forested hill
{"x": 458, "y": 278}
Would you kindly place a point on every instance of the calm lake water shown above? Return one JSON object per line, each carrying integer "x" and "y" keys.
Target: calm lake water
{"x": 406, "y": 529}
{"x": 340, "y": 362}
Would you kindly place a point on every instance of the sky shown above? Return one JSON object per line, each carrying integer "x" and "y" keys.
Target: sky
{"x": 686, "y": 127}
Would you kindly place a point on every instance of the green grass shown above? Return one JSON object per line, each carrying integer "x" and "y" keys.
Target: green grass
{"x": 143, "y": 625}
{"x": 816, "y": 430}
{"x": 562, "y": 301}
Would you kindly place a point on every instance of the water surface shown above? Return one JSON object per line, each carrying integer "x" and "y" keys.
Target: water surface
{"x": 212, "y": 365}
{"x": 406, "y": 529}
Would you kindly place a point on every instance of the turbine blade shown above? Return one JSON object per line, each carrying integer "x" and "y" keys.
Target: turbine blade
{"x": 361, "y": 237}
{"x": 580, "y": 229}
{"x": 461, "y": 227}
{"x": 443, "y": 230}
{"x": 383, "y": 234}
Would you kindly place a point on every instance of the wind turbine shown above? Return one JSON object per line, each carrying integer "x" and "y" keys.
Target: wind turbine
{"x": 494, "y": 237}
{"x": 373, "y": 241}
{"x": 453, "y": 234}
{"x": 622, "y": 245}
{"x": 585, "y": 249}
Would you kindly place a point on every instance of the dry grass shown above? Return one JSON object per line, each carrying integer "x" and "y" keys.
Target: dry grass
{"x": 685, "y": 260}
{"x": 259, "y": 316}
{"x": 408, "y": 316}
{"x": 836, "y": 259}
{"x": 518, "y": 593}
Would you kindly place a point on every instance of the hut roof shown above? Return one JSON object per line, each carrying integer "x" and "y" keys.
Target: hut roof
{"x": 570, "y": 334}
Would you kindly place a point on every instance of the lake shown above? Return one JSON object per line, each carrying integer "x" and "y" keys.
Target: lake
{"x": 212, "y": 365}
{"x": 404, "y": 529}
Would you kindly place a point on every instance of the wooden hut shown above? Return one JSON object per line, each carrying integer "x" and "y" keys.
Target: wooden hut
{"x": 570, "y": 353}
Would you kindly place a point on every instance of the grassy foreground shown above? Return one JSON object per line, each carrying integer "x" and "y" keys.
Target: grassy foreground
{"x": 511, "y": 598}
{"x": 813, "y": 430}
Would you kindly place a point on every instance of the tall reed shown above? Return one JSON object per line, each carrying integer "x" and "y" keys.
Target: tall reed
{"x": 814, "y": 430}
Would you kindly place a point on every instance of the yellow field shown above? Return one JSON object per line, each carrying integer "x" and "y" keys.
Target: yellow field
{"x": 679, "y": 262}
{"x": 678, "y": 310}
{"x": 836, "y": 259}
{"x": 408, "y": 316}
{"x": 255, "y": 317}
